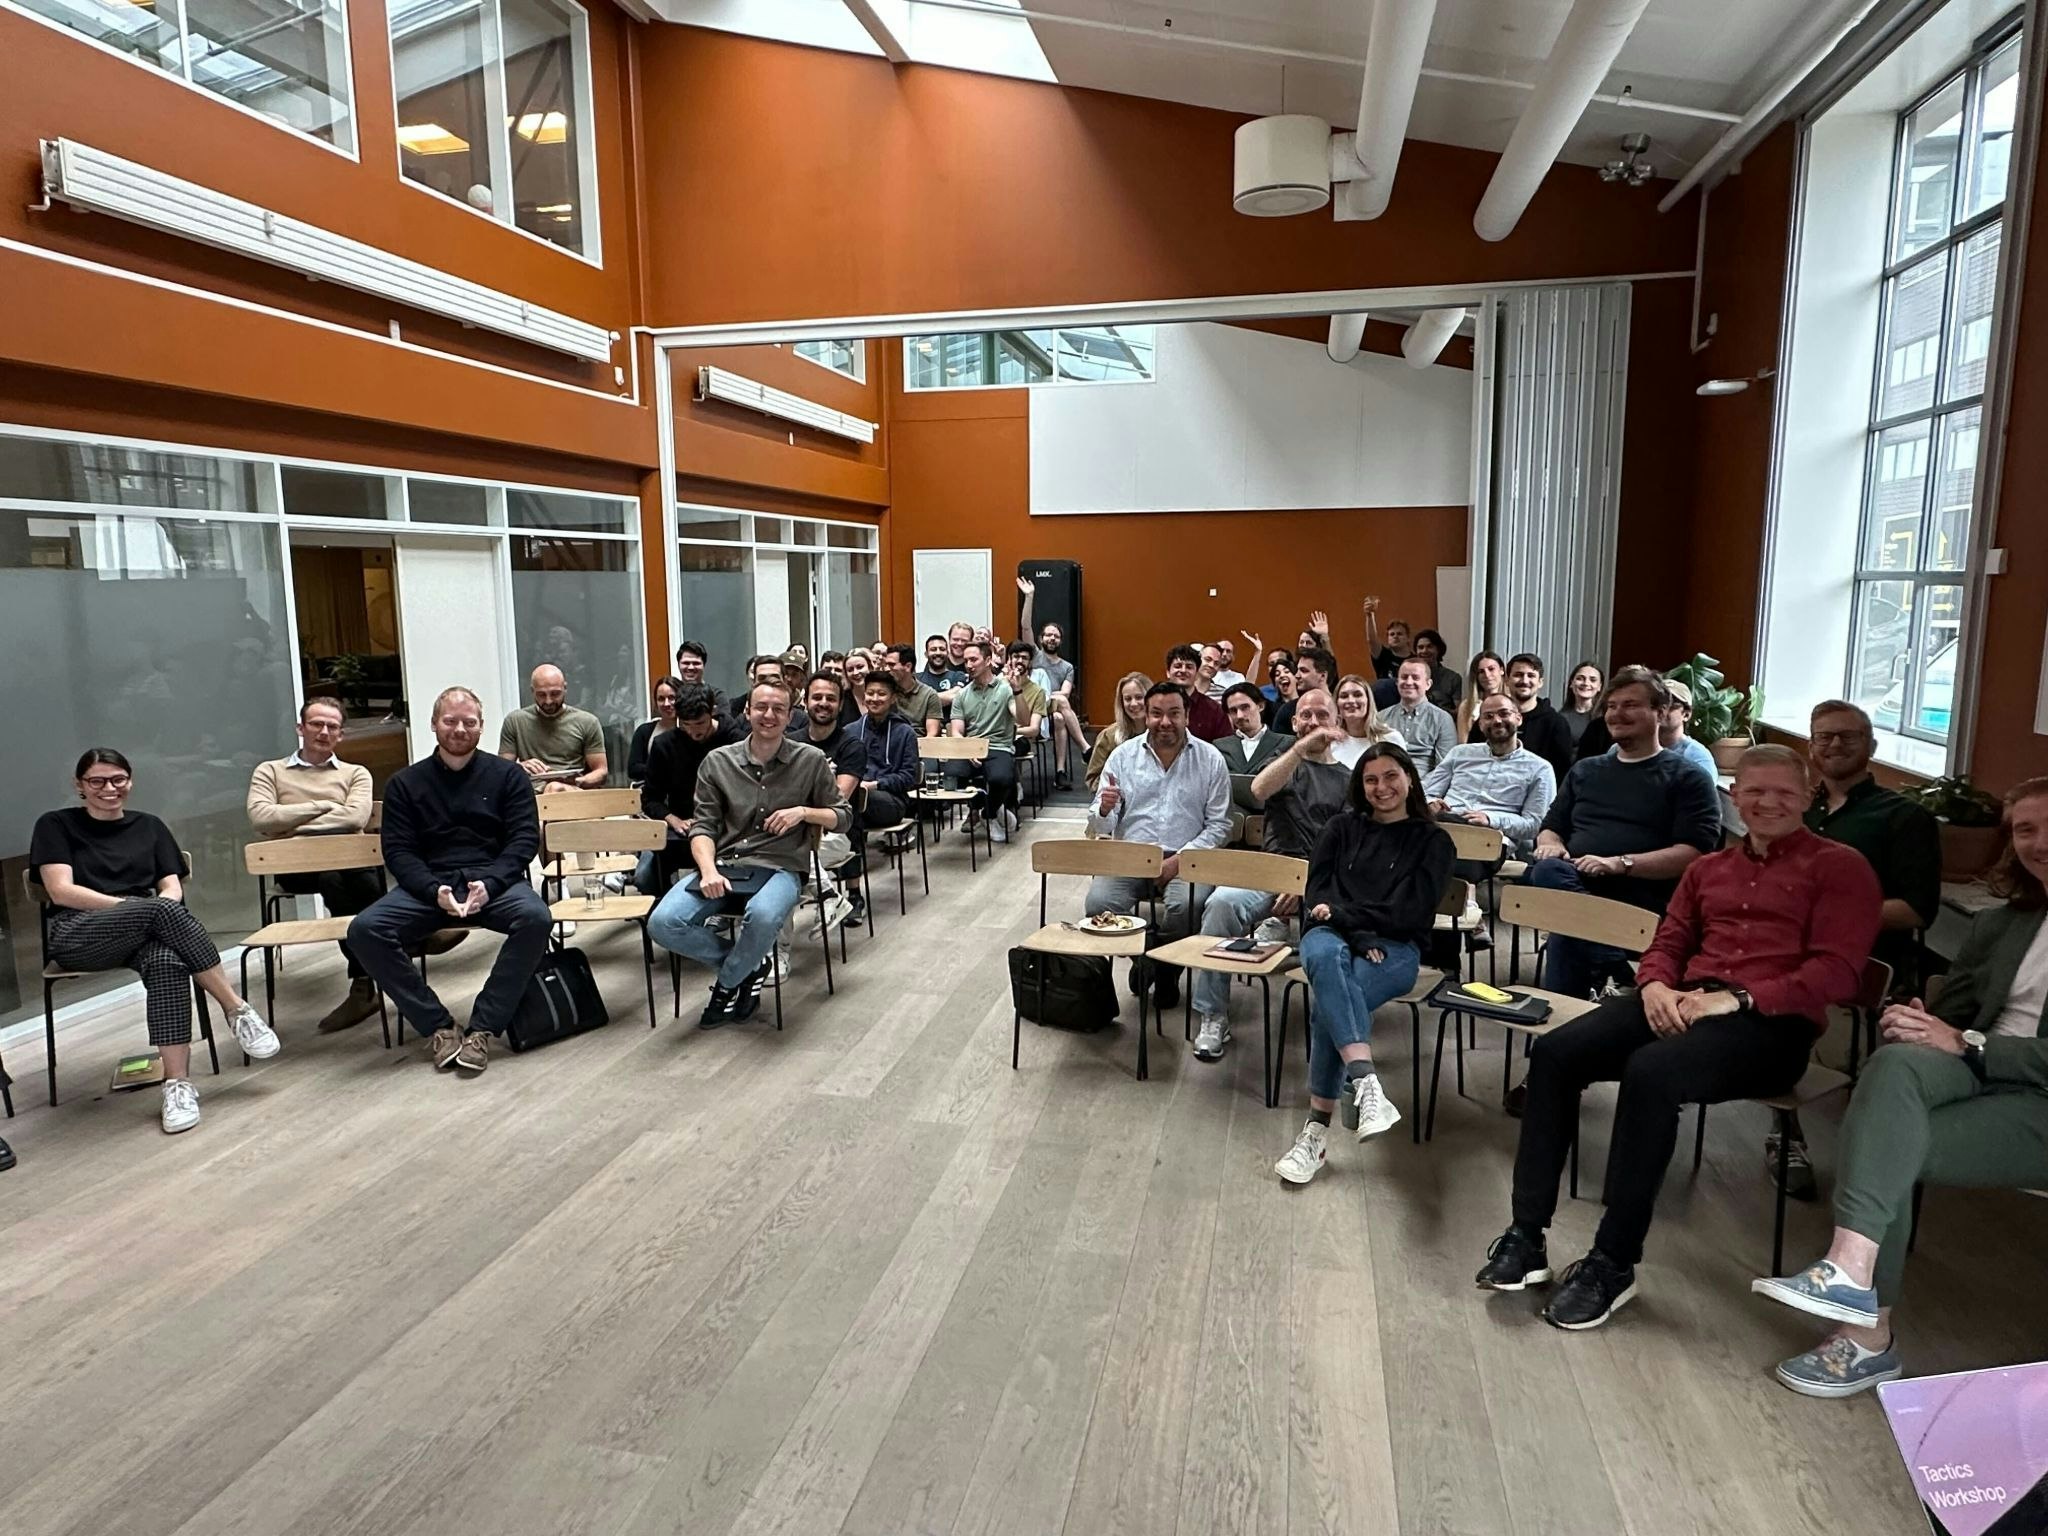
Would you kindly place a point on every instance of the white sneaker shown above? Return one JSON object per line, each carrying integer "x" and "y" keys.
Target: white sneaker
{"x": 181, "y": 1104}
{"x": 832, "y": 911}
{"x": 615, "y": 883}
{"x": 997, "y": 832}
{"x": 565, "y": 930}
{"x": 257, "y": 1037}
{"x": 1274, "y": 930}
{"x": 1211, "y": 1035}
{"x": 781, "y": 963}
{"x": 1007, "y": 821}
{"x": 1472, "y": 918}
{"x": 1367, "y": 1108}
{"x": 1305, "y": 1159}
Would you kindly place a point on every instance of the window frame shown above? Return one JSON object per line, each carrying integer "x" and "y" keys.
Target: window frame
{"x": 858, "y": 347}
{"x": 988, "y": 340}
{"x": 500, "y": 150}
{"x": 353, "y": 153}
{"x": 1947, "y": 252}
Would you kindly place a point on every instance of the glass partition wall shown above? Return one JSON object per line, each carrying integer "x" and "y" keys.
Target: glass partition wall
{"x": 148, "y": 592}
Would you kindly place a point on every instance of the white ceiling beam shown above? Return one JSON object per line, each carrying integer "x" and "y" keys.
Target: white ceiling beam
{"x": 888, "y": 23}
{"x": 1424, "y": 340}
{"x": 1347, "y": 335}
{"x": 1393, "y": 68}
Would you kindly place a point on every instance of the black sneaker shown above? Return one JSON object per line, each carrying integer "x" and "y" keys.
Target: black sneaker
{"x": 1516, "y": 1261}
{"x": 748, "y": 998}
{"x": 6, "y": 1157}
{"x": 1515, "y": 1100}
{"x": 1590, "y": 1292}
{"x": 860, "y": 910}
{"x": 1799, "y": 1181}
{"x": 1166, "y": 987}
{"x": 1141, "y": 976}
{"x": 719, "y": 1010}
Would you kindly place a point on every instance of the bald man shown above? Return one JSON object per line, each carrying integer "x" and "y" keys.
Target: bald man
{"x": 559, "y": 746}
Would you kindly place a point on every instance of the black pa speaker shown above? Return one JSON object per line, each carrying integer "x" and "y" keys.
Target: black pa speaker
{"x": 1057, "y": 601}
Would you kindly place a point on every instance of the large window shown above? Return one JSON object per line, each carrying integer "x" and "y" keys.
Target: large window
{"x": 284, "y": 60}
{"x": 847, "y": 358}
{"x": 1940, "y": 278}
{"x": 1102, "y": 354}
{"x": 494, "y": 111}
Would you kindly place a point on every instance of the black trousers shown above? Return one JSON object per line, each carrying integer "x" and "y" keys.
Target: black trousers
{"x": 1746, "y": 1055}
{"x": 346, "y": 892}
{"x": 391, "y": 927}
{"x": 997, "y": 775}
{"x": 884, "y": 809}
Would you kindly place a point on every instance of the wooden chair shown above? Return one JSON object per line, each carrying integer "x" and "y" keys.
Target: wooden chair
{"x": 1456, "y": 894}
{"x": 940, "y": 798}
{"x": 1273, "y": 873}
{"x": 584, "y": 805}
{"x": 54, "y": 973}
{"x": 1596, "y": 920}
{"x": 895, "y": 842}
{"x": 675, "y": 963}
{"x": 269, "y": 857}
{"x": 1253, "y": 836}
{"x": 1817, "y": 1082}
{"x": 1089, "y": 856}
{"x": 1479, "y": 845}
{"x": 628, "y": 836}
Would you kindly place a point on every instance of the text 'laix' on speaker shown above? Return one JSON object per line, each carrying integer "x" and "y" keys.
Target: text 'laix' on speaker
{"x": 1056, "y": 601}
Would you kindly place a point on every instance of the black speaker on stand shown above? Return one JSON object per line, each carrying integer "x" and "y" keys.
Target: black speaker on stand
{"x": 1056, "y": 601}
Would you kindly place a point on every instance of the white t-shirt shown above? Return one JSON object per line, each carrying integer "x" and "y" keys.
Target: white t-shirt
{"x": 1352, "y": 748}
{"x": 2022, "y": 1012}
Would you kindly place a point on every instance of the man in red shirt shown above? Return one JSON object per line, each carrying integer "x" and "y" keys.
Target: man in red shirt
{"x": 1758, "y": 941}
{"x": 1205, "y": 716}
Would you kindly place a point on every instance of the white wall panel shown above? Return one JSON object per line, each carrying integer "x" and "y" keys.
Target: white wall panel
{"x": 1242, "y": 420}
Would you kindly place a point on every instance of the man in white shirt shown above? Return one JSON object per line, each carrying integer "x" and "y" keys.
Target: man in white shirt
{"x": 1227, "y": 675}
{"x": 1497, "y": 782}
{"x": 1428, "y": 730}
{"x": 1172, "y": 789}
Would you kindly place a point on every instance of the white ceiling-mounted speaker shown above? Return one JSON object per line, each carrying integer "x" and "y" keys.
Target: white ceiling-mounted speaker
{"x": 1282, "y": 167}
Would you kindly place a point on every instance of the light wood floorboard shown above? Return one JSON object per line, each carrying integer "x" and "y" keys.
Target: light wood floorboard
{"x": 859, "y": 1276}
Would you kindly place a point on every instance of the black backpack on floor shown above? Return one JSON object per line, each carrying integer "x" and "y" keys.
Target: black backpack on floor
{"x": 560, "y": 1000}
{"x": 1079, "y": 991}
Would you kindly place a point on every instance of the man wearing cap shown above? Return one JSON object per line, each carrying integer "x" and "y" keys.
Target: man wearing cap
{"x": 1672, "y": 737}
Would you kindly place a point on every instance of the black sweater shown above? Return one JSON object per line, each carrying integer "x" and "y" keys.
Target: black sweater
{"x": 1382, "y": 880}
{"x": 443, "y": 827}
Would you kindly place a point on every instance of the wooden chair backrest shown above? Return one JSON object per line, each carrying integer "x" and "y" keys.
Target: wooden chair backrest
{"x": 634, "y": 835}
{"x": 1480, "y": 844}
{"x": 1595, "y": 919}
{"x": 376, "y": 821}
{"x": 1254, "y": 834}
{"x": 587, "y": 804}
{"x": 1097, "y": 856}
{"x": 313, "y": 854}
{"x": 1274, "y": 873}
{"x": 958, "y": 749}
{"x": 1457, "y": 894}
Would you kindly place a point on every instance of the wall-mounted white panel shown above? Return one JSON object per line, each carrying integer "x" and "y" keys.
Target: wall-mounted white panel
{"x": 950, "y": 586}
{"x": 1242, "y": 420}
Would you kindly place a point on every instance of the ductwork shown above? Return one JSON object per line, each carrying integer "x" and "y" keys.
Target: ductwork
{"x": 1393, "y": 68}
{"x": 1347, "y": 335}
{"x": 1586, "y": 47}
{"x": 1424, "y": 341}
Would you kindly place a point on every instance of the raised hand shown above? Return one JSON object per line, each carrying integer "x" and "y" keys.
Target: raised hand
{"x": 1257, "y": 645}
{"x": 1026, "y": 585}
{"x": 1110, "y": 797}
{"x": 1319, "y": 621}
{"x": 1372, "y": 604}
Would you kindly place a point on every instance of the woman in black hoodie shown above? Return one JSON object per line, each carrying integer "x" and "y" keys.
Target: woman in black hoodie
{"x": 1374, "y": 882}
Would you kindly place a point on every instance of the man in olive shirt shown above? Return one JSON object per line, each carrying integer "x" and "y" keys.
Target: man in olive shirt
{"x": 981, "y": 707}
{"x": 558, "y": 745}
{"x": 1902, "y": 843}
{"x": 918, "y": 703}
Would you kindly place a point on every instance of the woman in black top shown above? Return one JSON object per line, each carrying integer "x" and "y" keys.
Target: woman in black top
{"x": 664, "y": 721}
{"x": 115, "y": 877}
{"x": 1374, "y": 882}
{"x": 1581, "y": 695}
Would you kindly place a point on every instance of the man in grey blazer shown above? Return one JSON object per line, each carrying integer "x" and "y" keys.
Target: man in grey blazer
{"x": 1247, "y": 749}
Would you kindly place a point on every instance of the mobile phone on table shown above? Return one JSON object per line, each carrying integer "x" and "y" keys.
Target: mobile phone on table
{"x": 1241, "y": 946}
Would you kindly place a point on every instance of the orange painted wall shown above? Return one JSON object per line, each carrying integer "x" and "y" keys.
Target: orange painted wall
{"x": 961, "y": 471}
{"x": 727, "y": 443}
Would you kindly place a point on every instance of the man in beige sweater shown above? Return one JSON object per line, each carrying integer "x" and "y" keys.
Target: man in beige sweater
{"x": 312, "y": 792}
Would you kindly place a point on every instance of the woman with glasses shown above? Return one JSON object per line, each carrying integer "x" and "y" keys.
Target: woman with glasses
{"x": 115, "y": 877}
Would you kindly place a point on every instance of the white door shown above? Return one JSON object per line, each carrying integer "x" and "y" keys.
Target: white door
{"x": 450, "y": 604}
{"x": 772, "y": 627}
{"x": 951, "y": 586}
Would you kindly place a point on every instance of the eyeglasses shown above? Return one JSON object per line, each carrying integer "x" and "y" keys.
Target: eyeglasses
{"x": 1822, "y": 738}
{"x": 111, "y": 781}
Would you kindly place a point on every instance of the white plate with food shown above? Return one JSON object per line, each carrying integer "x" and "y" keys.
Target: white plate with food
{"x": 1109, "y": 925}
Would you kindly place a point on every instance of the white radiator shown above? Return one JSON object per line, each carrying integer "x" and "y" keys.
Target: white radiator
{"x": 737, "y": 389}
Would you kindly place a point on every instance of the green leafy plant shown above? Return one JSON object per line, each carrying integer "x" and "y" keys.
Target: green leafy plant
{"x": 1957, "y": 801}
{"x": 349, "y": 670}
{"x": 1718, "y": 711}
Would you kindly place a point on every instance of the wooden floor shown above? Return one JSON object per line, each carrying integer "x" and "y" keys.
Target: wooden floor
{"x": 860, "y": 1276}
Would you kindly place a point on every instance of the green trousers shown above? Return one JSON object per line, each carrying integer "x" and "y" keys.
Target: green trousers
{"x": 1919, "y": 1116}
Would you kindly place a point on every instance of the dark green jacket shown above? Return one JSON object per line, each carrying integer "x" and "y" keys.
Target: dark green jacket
{"x": 1979, "y": 983}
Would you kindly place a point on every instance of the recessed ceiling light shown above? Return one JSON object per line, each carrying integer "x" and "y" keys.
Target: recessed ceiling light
{"x": 541, "y": 127}
{"x": 1722, "y": 387}
{"x": 430, "y": 139}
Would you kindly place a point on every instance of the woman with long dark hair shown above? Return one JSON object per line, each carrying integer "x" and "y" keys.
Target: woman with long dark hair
{"x": 1374, "y": 882}
{"x": 116, "y": 878}
{"x": 1581, "y": 698}
{"x": 664, "y": 721}
{"x": 1958, "y": 1096}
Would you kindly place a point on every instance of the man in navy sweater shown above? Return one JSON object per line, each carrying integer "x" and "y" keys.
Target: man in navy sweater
{"x": 892, "y": 767}
{"x": 460, "y": 829}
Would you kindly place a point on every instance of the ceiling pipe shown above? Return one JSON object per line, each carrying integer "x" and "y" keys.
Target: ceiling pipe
{"x": 1586, "y": 47}
{"x": 1424, "y": 341}
{"x": 1393, "y": 68}
{"x": 1347, "y": 335}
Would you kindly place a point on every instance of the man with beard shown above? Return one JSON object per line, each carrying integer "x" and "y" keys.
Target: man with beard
{"x": 1060, "y": 687}
{"x": 1544, "y": 731}
{"x": 669, "y": 793}
{"x": 1496, "y": 782}
{"x": 560, "y": 747}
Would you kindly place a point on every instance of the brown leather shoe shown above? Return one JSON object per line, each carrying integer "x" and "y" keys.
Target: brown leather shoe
{"x": 475, "y": 1053}
{"x": 360, "y": 1004}
{"x": 445, "y": 1047}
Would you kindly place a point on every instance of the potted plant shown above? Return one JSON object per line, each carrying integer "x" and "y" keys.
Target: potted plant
{"x": 1969, "y": 819}
{"x": 1724, "y": 719}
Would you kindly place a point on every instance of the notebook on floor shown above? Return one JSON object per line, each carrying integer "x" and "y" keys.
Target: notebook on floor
{"x": 1975, "y": 1446}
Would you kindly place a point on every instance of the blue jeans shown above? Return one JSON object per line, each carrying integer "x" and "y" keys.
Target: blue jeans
{"x": 678, "y": 925}
{"x": 385, "y": 932}
{"x": 1572, "y": 966}
{"x": 1346, "y": 988}
{"x": 1230, "y": 913}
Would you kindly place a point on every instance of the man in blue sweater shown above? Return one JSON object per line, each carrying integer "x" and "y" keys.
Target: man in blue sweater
{"x": 460, "y": 829}
{"x": 892, "y": 767}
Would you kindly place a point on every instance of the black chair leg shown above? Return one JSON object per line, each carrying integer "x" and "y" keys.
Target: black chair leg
{"x": 1266, "y": 1023}
{"x": 1144, "y": 1053}
{"x": 1699, "y": 1140}
{"x": 50, "y": 1040}
{"x": 1415, "y": 1073}
{"x": 1778, "y": 1217}
{"x": 7, "y": 1092}
{"x": 647, "y": 956}
{"x": 1913, "y": 1232}
{"x": 1436, "y": 1071}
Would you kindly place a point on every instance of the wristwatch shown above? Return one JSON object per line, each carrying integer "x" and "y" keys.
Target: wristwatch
{"x": 1628, "y": 862}
{"x": 1973, "y": 1051}
{"x": 1742, "y": 998}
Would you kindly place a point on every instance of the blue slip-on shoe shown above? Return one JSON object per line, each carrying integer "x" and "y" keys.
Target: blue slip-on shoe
{"x": 1822, "y": 1290}
{"x": 1839, "y": 1368}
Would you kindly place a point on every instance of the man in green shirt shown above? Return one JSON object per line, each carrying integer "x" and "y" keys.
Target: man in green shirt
{"x": 1027, "y": 699}
{"x": 918, "y": 702}
{"x": 560, "y": 747}
{"x": 1902, "y": 843}
{"x": 982, "y": 707}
